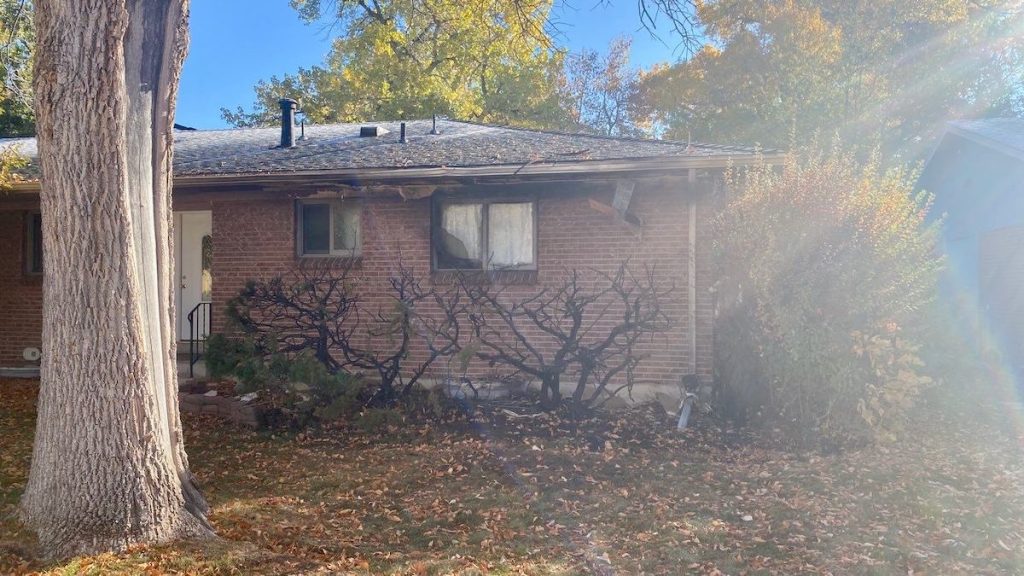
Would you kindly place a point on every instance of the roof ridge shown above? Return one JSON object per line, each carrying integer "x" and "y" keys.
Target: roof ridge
{"x": 549, "y": 131}
{"x": 308, "y": 125}
{"x": 975, "y": 129}
{"x": 668, "y": 142}
{"x": 567, "y": 132}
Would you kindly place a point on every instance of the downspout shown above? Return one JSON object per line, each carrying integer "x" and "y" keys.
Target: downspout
{"x": 689, "y": 397}
{"x": 691, "y": 274}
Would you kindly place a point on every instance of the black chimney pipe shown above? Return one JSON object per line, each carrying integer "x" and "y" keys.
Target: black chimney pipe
{"x": 288, "y": 108}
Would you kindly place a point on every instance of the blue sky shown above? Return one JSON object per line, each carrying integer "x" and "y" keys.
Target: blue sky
{"x": 236, "y": 43}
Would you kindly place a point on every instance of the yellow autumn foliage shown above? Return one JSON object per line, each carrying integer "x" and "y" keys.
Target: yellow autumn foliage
{"x": 484, "y": 60}
{"x": 825, "y": 268}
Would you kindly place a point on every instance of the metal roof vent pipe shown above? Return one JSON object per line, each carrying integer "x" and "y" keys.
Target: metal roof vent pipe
{"x": 401, "y": 137}
{"x": 288, "y": 109}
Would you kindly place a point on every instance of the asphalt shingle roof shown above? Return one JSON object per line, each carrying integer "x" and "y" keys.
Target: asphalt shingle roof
{"x": 248, "y": 151}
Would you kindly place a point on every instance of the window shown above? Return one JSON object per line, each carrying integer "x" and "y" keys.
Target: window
{"x": 473, "y": 235}
{"x": 33, "y": 243}
{"x": 207, "y": 265}
{"x": 329, "y": 228}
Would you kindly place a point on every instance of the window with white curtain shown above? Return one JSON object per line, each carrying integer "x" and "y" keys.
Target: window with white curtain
{"x": 475, "y": 234}
{"x": 329, "y": 228}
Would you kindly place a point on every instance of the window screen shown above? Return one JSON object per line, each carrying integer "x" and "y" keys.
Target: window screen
{"x": 330, "y": 228}
{"x": 316, "y": 228}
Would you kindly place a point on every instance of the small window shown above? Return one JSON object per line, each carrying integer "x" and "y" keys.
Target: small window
{"x": 474, "y": 235}
{"x": 329, "y": 228}
{"x": 34, "y": 243}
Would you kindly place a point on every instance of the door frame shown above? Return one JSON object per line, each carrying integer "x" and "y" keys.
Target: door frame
{"x": 185, "y": 221}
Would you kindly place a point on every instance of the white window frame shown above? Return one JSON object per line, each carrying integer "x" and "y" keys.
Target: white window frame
{"x": 332, "y": 253}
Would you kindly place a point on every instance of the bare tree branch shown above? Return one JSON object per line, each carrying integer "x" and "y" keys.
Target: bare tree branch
{"x": 567, "y": 330}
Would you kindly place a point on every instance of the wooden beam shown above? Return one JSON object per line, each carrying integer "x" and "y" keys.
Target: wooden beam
{"x": 619, "y": 208}
{"x": 623, "y": 196}
{"x": 632, "y": 220}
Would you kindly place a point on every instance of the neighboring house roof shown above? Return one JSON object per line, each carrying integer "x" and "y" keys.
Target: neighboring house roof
{"x": 976, "y": 173}
{"x": 1003, "y": 134}
{"x": 458, "y": 145}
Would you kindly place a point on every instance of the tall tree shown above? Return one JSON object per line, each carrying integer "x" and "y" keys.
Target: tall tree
{"x": 887, "y": 72}
{"x": 489, "y": 60}
{"x": 17, "y": 36}
{"x": 599, "y": 93}
{"x": 108, "y": 465}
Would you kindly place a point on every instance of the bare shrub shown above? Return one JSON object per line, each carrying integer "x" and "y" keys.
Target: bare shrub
{"x": 317, "y": 308}
{"x": 299, "y": 312}
{"x": 584, "y": 330}
{"x": 381, "y": 340}
{"x": 581, "y": 330}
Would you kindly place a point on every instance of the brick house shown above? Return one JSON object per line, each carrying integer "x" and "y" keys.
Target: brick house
{"x": 252, "y": 203}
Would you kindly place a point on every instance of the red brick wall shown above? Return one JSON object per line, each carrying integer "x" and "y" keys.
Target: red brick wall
{"x": 255, "y": 239}
{"x": 21, "y": 295}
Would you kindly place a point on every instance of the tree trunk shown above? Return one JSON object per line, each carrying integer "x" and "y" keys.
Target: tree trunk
{"x": 550, "y": 393}
{"x": 108, "y": 466}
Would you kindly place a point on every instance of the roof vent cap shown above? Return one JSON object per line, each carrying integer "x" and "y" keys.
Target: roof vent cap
{"x": 371, "y": 131}
{"x": 288, "y": 109}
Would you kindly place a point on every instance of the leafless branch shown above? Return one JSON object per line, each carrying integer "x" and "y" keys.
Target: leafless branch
{"x": 568, "y": 329}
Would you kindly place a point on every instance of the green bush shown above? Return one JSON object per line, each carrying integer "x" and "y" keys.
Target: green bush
{"x": 304, "y": 389}
{"x": 824, "y": 269}
{"x": 225, "y": 357}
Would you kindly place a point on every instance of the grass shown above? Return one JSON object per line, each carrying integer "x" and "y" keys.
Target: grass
{"x": 947, "y": 500}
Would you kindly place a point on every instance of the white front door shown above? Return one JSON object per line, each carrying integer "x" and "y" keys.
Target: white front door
{"x": 192, "y": 245}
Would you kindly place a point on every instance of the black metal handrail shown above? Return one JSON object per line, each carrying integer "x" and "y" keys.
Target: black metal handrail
{"x": 197, "y": 333}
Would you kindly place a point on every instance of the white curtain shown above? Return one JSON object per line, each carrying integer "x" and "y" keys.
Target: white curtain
{"x": 510, "y": 234}
{"x": 462, "y": 223}
{"x": 346, "y": 226}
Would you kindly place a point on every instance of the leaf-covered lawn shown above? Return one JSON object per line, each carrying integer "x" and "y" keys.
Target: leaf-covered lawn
{"x": 515, "y": 500}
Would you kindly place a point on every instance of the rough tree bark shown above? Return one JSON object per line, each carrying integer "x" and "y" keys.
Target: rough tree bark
{"x": 108, "y": 466}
